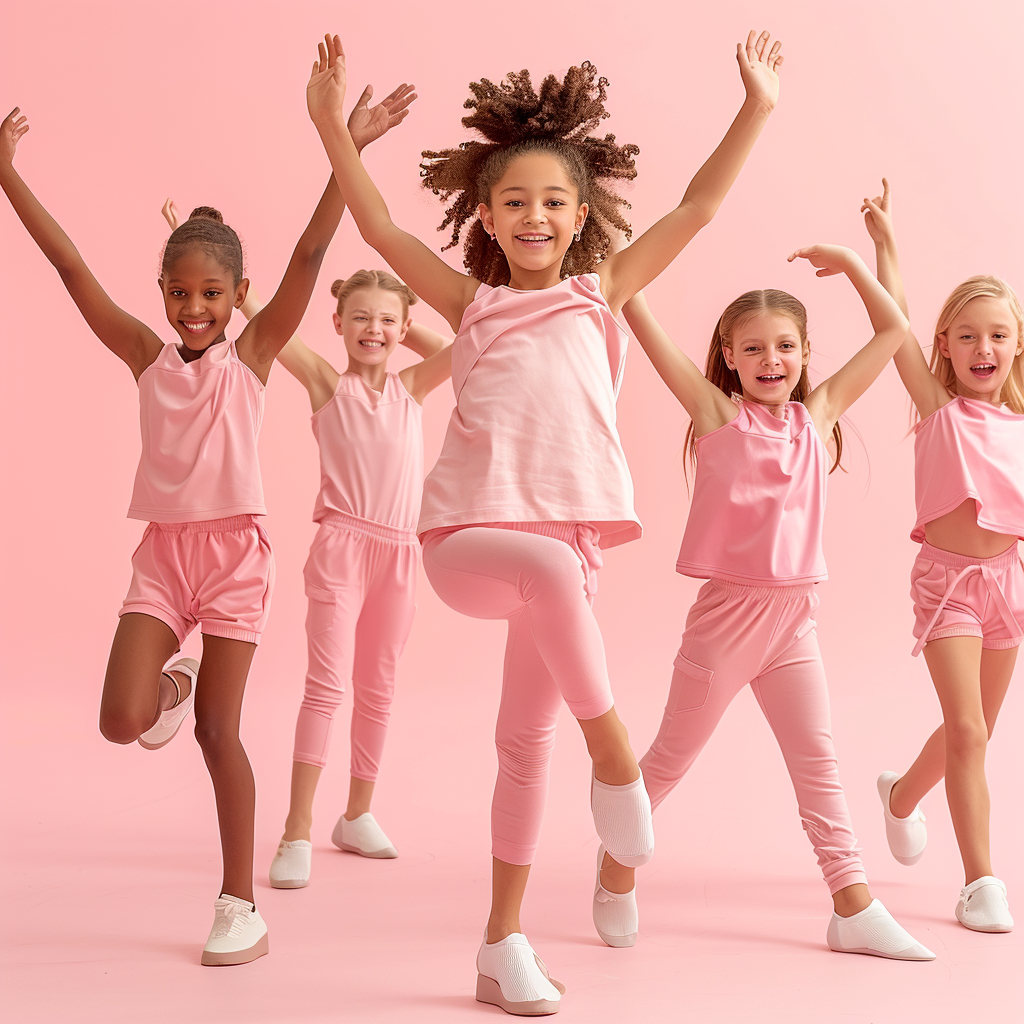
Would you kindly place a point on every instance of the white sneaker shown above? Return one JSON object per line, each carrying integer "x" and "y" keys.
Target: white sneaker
{"x": 615, "y": 914}
{"x": 169, "y": 722}
{"x": 291, "y": 864}
{"x": 238, "y": 934}
{"x": 983, "y": 906}
{"x": 906, "y": 836}
{"x": 512, "y": 976}
{"x": 874, "y": 932}
{"x": 364, "y": 836}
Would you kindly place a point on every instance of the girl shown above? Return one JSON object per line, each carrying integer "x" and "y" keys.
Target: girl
{"x": 532, "y": 480}
{"x": 967, "y": 582}
{"x": 754, "y": 532}
{"x": 204, "y": 556}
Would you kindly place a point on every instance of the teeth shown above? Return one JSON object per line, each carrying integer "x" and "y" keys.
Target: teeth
{"x": 372, "y": 344}
{"x": 196, "y": 328}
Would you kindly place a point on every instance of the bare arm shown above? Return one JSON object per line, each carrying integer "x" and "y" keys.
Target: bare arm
{"x": 926, "y": 392}
{"x": 624, "y": 273}
{"x": 421, "y": 378}
{"x": 705, "y": 403}
{"x": 448, "y": 291}
{"x": 830, "y": 399}
{"x": 129, "y": 339}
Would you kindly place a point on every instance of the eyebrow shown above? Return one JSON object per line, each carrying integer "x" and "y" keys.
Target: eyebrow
{"x": 522, "y": 188}
{"x": 970, "y": 327}
{"x": 209, "y": 280}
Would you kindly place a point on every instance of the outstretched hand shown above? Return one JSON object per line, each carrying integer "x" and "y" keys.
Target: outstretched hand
{"x": 878, "y": 218}
{"x": 829, "y": 259}
{"x": 11, "y": 130}
{"x": 325, "y": 91}
{"x": 759, "y": 68}
{"x": 367, "y": 124}
{"x": 171, "y": 215}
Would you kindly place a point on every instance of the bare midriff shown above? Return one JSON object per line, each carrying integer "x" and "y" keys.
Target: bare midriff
{"x": 958, "y": 531}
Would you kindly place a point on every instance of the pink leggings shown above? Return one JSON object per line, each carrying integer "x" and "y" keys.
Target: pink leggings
{"x": 541, "y": 578}
{"x": 763, "y": 636}
{"x": 361, "y": 585}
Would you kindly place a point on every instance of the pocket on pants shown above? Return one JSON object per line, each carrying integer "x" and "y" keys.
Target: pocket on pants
{"x": 690, "y": 689}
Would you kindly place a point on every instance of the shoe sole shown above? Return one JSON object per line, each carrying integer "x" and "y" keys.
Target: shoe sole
{"x": 236, "y": 956}
{"x": 866, "y": 951}
{"x": 489, "y": 991}
{"x": 388, "y": 853}
{"x": 289, "y": 883}
{"x": 163, "y": 743}
{"x": 992, "y": 929}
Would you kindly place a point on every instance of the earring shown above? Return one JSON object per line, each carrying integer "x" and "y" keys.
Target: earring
{"x": 579, "y": 231}
{"x": 493, "y": 236}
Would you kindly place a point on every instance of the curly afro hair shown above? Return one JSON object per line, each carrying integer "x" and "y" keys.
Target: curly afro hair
{"x": 514, "y": 119}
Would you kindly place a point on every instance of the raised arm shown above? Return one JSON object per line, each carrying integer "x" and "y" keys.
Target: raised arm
{"x": 926, "y": 392}
{"x": 623, "y": 274}
{"x": 448, "y": 291}
{"x": 832, "y": 397}
{"x": 436, "y": 366}
{"x": 129, "y": 339}
{"x": 706, "y": 404}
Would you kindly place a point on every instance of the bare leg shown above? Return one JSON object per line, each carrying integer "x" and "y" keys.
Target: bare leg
{"x": 222, "y": 676}
{"x": 300, "y": 811}
{"x": 360, "y": 793}
{"x": 851, "y": 900}
{"x": 508, "y": 886}
{"x": 930, "y": 766}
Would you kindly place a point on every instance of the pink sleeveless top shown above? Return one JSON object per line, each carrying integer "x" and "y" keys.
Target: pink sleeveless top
{"x": 971, "y": 449}
{"x": 371, "y": 453}
{"x": 758, "y": 501}
{"x": 532, "y": 437}
{"x": 200, "y": 421}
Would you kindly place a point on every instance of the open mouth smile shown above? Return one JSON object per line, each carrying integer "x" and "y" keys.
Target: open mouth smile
{"x": 534, "y": 241}
{"x": 196, "y": 326}
{"x": 368, "y": 343}
{"x": 983, "y": 370}
{"x": 771, "y": 378}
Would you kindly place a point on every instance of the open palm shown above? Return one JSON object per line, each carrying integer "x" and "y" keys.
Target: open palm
{"x": 366, "y": 123}
{"x": 11, "y": 131}
{"x": 325, "y": 90}
{"x": 759, "y": 68}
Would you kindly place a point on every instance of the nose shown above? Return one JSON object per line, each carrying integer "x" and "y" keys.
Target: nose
{"x": 536, "y": 214}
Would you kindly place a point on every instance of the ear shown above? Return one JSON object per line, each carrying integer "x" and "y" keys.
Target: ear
{"x": 727, "y": 355}
{"x": 241, "y": 291}
{"x": 581, "y": 216}
{"x": 807, "y": 355}
{"x": 405, "y": 329}
{"x": 486, "y": 219}
{"x": 160, "y": 284}
{"x": 337, "y": 323}
{"x": 943, "y": 342}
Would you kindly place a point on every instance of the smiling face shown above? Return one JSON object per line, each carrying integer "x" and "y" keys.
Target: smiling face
{"x": 199, "y": 296}
{"x": 534, "y": 213}
{"x": 981, "y": 344}
{"x": 769, "y": 355}
{"x": 372, "y": 325}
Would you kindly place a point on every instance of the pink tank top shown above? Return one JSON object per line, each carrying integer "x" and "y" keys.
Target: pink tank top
{"x": 200, "y": 421}
{"x": 971, "y": 449}
{"x": 532, "y": 437}
{"x": 758, "y": 501}
{"x": 371, "y": 452}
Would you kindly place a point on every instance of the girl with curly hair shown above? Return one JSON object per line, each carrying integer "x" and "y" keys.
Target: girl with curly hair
{"x": 532, "y": 481}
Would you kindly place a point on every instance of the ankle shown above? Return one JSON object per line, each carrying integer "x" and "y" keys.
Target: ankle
{"x": 615, "y": 877}
{"x": 616, "y": 767}
{"x": 501, "y": 928}
{"x": 898, "y": 802}
{"x": 851, "y": 900}
{"x": 297, "y": 828}
{"x": 351, "y": 813}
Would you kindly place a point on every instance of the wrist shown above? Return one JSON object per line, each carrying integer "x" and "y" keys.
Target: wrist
{"x": 759, "y": 106}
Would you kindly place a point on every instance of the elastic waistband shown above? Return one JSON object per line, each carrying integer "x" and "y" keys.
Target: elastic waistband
{"x": 369, "y": 527}
{"x": 228, "y": 525}
{"x": 1004, "y": 560}
{"x": 782, "y": 593}
{"x": 568, "y": 533}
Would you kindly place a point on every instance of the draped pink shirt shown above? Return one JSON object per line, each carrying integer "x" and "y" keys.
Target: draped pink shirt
{"x": 971, "y": 449}
{"x": 532, "y": 437}
{"x": 371, "y": 452}
{"x": 758, "y": 505}
{"x": 200, "y": 423}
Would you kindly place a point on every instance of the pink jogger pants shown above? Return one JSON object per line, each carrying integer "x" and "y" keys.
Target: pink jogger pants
{"x": 763, "y": 636}
{"x": 541, "y": 578}
{"x": 361, "y": 585}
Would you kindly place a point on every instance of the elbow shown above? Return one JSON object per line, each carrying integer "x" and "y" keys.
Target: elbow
{"x": 699, "y": 212}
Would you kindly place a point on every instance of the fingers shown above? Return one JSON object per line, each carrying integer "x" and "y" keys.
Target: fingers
{"x": 885, "y": 194}
{"x": 762, "y": 42}
{"x": 393, "y": 106}
{"x": 803, "y": 254}
{"x": 316, "y": 69}
{"x": 750, "y": 51}
{"x": 332, "y": 53}
{"x": 322, "y": 50}
{"x": 364, "y": 99}
{"x": 773, "y": 56}
{"x": 778, "y": 64}
{"x": 16, "y": 110}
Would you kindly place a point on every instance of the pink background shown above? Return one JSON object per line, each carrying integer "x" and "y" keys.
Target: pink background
{"x": 111, "y": 856}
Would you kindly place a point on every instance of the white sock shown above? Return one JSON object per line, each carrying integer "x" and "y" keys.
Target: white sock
{"x": 622, "y": 817}
{"x": 291, "y": 865}
{"x": 364, "y": 836}
{"x": 874, "y": 931}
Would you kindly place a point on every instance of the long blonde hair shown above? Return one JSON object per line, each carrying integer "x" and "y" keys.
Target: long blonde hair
{"x": 981, "y": 286}
{"x": 737, "y": 313}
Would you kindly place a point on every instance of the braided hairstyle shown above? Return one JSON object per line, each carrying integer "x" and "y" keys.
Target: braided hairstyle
{"x": 513, "y": 119}
{"x": 205, "y": 229}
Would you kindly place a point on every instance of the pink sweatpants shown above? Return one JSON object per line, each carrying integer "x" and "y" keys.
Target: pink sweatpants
{"x": 361, "y": 585}
{"x": 541, "y": 577}
{"x": 763, "y": 636}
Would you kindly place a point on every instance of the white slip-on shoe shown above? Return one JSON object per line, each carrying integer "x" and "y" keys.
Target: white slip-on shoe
{"x": 169, "y": 722}
{"x": 983, "y": 906}
{"x": 622, "y": 819}
{"x": 291, "y": 864}
{"x": 906, "y": 836}
{"x": 512, "y": 976}
{"x": 874, "y": 932}
{"x": 364, "y": 836}
{"x": 238, "y": 935}
{"x": 615, "y": 914}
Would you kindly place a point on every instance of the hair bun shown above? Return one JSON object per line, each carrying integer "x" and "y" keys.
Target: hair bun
{"x": 337, "y": 286}
{"x": 207, "y": 212}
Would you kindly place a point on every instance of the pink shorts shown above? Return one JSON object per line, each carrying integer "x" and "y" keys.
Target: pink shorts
{"x": 219, "y": 573}
{"x": 957, "y": 595}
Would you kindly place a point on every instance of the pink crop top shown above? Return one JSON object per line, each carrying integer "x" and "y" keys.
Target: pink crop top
{"x": 971, "y": 449}
{"x": 371, "y": 452}
{"x": 532, "y": 437}
{"x": 758, "y": 501}
{"x": 200, "y": 421}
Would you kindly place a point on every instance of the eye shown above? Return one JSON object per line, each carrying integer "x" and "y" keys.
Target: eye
{"x": 555, "y": 202}
{"x": 212, "y": 294}
{"x": 177, "y": 293}
{"x": 514, "y": 202}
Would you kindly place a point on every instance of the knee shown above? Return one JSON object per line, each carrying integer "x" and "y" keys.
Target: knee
{"x": 214, "y": 738}
{"x": 121, "y": 728}
{"x": 527, "y": 764}
{"x": 966, "y": 738}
